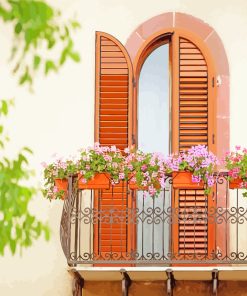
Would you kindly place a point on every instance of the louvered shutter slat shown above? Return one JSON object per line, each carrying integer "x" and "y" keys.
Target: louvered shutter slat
{"x": 113, "y": 95}
{"x": 192, "y": 92}
{"x": 114, "y": 92}
{"x": 193, "y": 234}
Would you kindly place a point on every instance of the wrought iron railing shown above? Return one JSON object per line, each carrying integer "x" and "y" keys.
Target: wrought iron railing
{"x": 125, "y": 227}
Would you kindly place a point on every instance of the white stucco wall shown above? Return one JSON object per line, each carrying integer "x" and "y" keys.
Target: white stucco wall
{"x": 59, "y": 116}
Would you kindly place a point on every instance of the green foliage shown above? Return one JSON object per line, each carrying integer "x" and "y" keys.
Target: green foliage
{"x": 90, "y": 162}
{"x": 17, "y": 226}
{"x": 38, "y": 35}
{"x": 37, "y": 30}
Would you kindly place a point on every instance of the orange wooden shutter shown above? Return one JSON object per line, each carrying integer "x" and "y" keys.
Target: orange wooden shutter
{"x": 113, "y": 127}
{"x": 192, "y": 123}
{"x": 113, "y": 92}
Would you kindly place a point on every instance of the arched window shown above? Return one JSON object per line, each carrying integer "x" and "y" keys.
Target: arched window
{"x": 163, "y": 96}
{"x": 191, "y": 90}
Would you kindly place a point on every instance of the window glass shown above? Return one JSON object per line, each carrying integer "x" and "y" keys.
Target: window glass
{"x": 153, "y": 136}
{"x": 153, "y": 102}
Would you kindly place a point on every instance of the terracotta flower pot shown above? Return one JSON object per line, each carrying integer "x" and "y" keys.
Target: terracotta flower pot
{"x": 62, "y": 184}
{"x": 99, "y": 181}
{"x": 183, "y": 180}
{"x": 235, "y": 183}
{"x": 134, "y": 186}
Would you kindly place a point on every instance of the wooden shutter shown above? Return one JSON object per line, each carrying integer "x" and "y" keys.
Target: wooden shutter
{"x": 113, "y": 92}
{"x": 193, "y": 96}
{"x": 193, "y": 120}
{"x": 112, "y": 127}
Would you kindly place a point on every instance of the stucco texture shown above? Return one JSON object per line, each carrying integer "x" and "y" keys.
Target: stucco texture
{"x": 59, "y": 117}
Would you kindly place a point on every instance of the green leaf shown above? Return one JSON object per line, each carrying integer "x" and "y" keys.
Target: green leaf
{"x": 27, "y": 149}
{"x": 51, "y": 42}
{"x": 66, "y": 31}
{"x": 4, "y": 107}
{"x": 22, "y": 158}
{"x": 2, "y": 245}
{"x": 6, "y": 15}
{"x": 50, "y": 66}
{"x": 12, "y": 244}
{"x": 38, "y": 229}
{"x": 30, "y": 220}
{"x": 18, "y": 232}
{"x": 14, "y": 50}
{"x": 75, "y": 56}
{"x": 18, "y": 28}
{"x": 47, "y": 233}
{"x": 75, "y": 24}
{"x": 30, "y": 35}
{"x": 36, "y": 62}
{"x": 25, "y": 78}
{"x": 63, "y": 56}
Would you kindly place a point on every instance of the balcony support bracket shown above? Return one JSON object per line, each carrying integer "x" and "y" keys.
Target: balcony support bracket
{"x": 78, "y": 284}
{"x": 126, "y": 282}
{"x": 170, "y": 283}
{"x": 215, "y": 281}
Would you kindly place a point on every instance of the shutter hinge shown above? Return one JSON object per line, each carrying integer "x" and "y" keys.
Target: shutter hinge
{"x": 134, "y": 82}
{"x": 213, "y": 82}
{"x": 213, "y": 138}
{"x": 133, "y": 140}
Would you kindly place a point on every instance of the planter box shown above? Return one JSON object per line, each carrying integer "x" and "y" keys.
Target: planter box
{"x": 235, "y": 183}
{"x": 134, "y": 186}
{"x": 62, "y": 184}
{"x": 183, "y": 180}
{"x": 99, "y": 181}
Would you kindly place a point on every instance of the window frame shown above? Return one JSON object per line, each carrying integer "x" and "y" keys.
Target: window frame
{"x": 154, "y": 41}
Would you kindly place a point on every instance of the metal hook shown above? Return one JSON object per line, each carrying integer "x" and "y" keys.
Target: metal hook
{"x": 170, "y": 282}
{"x": 126, "y": 282}
{"x": 78, "y": 284}
{"x": 215, "y": 281}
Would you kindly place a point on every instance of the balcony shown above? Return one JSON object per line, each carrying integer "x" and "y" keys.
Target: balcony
{"x": 125, "y": 228}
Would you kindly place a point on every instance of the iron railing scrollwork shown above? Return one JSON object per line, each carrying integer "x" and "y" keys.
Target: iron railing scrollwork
{"x": 151, "y": 231}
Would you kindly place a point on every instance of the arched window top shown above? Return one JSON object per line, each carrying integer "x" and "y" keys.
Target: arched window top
{"x": 211, "y": 46}
{"x": 162, "y": 37}
{"x": 193, "y": 28}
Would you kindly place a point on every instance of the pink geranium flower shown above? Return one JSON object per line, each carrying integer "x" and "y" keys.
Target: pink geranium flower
{"x": 236, "y": 164}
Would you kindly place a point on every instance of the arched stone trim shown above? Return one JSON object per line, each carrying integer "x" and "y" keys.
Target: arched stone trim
{"x": 180, "y": 21}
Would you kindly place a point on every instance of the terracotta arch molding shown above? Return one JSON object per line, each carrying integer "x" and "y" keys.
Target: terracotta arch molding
{"x": 167, "y": 22}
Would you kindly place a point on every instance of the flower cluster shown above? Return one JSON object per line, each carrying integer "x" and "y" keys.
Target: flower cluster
{"x": 90, "y": 161}
{"x": 100, "y": 159}
{"x": 236, "y": 163}
{"x": 59, "y": 169}
{"x": 146, "y": 170}
{"x": 198, "y": 160}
